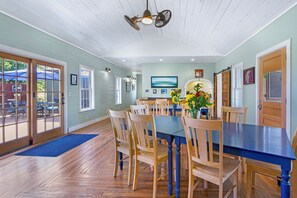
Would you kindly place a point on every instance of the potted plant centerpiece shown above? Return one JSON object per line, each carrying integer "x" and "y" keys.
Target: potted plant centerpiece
{"x": 197, "y": 100}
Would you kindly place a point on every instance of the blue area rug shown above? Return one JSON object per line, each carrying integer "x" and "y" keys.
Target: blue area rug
{"x": 59, "y": 146}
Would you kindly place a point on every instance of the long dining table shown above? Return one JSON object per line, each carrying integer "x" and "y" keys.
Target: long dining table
{"x": 263, "y": 143}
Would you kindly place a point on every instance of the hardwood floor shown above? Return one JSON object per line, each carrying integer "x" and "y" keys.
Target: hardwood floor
{"x": 86, "y": 171}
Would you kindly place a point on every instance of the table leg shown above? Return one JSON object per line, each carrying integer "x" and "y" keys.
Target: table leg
{"x": 177, "y": 168}
{"x": 285, "y": 183}
{"x": 170, "y": 110}
{"x": 169, "y": 140}
{"x": 121, "y": 160}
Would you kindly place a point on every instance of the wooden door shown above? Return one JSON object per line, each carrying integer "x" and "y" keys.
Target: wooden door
{"x": 226, "y": 88}
{"x": 272, "y": 89}
{"x": 14, "y": 102}
{"x": 47, "y": 100}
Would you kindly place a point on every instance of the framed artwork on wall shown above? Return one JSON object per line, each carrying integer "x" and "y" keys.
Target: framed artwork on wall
{"x": 198, "y": 73}
{"x": 133, "y": 87}
{"x": 163, "y": 91}
{"x": 164, "y": 81}
{"x": 128, "y": 86}
{"x": 154, "y": 91}
{"x": 249, "y": 76}
{"x": 73, "y": 79}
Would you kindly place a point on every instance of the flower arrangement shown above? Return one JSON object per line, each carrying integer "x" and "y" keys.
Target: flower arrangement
{"x": 197, "y": 100}
{"x": 175, "y": 95}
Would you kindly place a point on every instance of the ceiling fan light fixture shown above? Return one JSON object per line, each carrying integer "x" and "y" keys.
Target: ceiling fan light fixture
{"x": 147, "y": 17}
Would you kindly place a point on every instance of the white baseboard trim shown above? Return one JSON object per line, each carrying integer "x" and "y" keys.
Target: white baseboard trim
{"x": 85, "y": 124}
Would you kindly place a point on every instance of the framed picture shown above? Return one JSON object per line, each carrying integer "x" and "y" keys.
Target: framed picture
{"x": 164, "y": 82}
{"x": 154, "y": 91}
{"x": 249, "y": 76}
{"x": 163, "y": 91}
{"x": 133, "y": 87}
{"x": 128, "y": 86}
{"x": 73, "y": 79}
{"x": 147, "y": 90}
{"x": 198, "y": 73}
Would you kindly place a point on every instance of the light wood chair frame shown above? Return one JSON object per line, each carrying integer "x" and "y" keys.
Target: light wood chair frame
{"x": 122, "y": 131}
{"x": 146, "y": 147}
{"x": 270, "y": 170}
{"x": 234, "y": 114}
{"x": 200, "y": 132}
{"x": 140, "y": 109}
{"x": 162, "y": 107}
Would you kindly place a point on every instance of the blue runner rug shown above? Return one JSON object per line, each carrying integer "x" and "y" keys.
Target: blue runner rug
{"x": 59, "y": 146}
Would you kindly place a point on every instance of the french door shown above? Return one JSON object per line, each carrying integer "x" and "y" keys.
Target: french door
{"x": 47, "y": 100}
{"x": 31, "y": 101}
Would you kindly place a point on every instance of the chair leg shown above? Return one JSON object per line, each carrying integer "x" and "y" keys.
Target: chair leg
{"x": 116, "y": 163}
{"x": 130, "y": 169}
{"x": 235, "y": 183}
{"x": 191, "y": 185}
{"x": 221, "y": 188}
{"x": 205, "y": 184}
{"x": 136, "y": 172}
{"x": 249, "y": 177}
{"x": 155, "y": 181}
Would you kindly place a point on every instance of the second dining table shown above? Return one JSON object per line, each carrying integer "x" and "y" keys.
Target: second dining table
{"x": 263, "y": 143}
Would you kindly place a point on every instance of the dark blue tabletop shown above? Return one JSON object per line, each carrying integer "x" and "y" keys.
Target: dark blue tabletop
{"x": 260, "y": 139}
{"x": 168, "y": 124}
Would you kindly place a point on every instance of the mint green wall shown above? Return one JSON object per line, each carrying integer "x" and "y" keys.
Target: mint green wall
{"x": 184, "y": 72}
{"x": 280, "y": 30}
{"x": 21, "y": 36}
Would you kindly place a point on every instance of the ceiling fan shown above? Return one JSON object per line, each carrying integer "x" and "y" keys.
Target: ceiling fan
{"x": 161, "y": 19}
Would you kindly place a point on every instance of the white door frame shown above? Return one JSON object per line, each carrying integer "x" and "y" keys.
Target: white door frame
{"x": 31, "y": 55}
{"x": 287, "y": 45}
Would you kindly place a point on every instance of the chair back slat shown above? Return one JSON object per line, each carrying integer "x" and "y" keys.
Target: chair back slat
{"x": 150, "y": 104}
{"x": 141, "y": 136}
{"x": 185, "y": 110}
{"x": 234, "y": 114}
{"x": 199, "y": 136}
{"x": 120, "y": 126}
{"x": 161, "y": 107}
{"x": 140, "y": 109}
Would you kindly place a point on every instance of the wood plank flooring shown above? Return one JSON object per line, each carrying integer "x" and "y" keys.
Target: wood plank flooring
{"x": 86, "y": 171}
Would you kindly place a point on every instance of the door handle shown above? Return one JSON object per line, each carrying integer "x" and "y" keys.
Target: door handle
{"x": 260, "y": 106}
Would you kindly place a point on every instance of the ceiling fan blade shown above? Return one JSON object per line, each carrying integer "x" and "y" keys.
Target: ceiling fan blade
{"x": 132, "y": 22}
{"x": 163, "y": 18}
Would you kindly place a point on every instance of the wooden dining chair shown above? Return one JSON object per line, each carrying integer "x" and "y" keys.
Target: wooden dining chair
{"x": 146, "y": 151}
{"x": 162, "y": 107}
{"x": 138, "y": 101}
{"x": 235, "y": 115}
{"x": 150, "y": 104}
{"x": 203, "y": 162}
{"x": 185, "y": 110}
{"x": 140, "y": 109}
{"x": 271, "y": 170}
{"x": 122, "y": 131}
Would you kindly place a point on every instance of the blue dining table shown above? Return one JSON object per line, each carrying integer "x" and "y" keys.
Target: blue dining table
{"x": 267, "y": 144}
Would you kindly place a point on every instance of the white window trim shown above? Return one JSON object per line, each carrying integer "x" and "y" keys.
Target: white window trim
{"x": 115, "y": 95}
{"x": 92, "y": 88}
{"x": 233, "y": 87}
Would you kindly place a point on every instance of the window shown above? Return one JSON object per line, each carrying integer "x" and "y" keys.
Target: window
{"x": 118, "y": 91}
{"x": 237, "y": 82}
{"x": 86, "y": 88}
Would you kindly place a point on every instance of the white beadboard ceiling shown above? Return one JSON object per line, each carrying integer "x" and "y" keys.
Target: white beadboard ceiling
{"x": 204, "y": 30}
